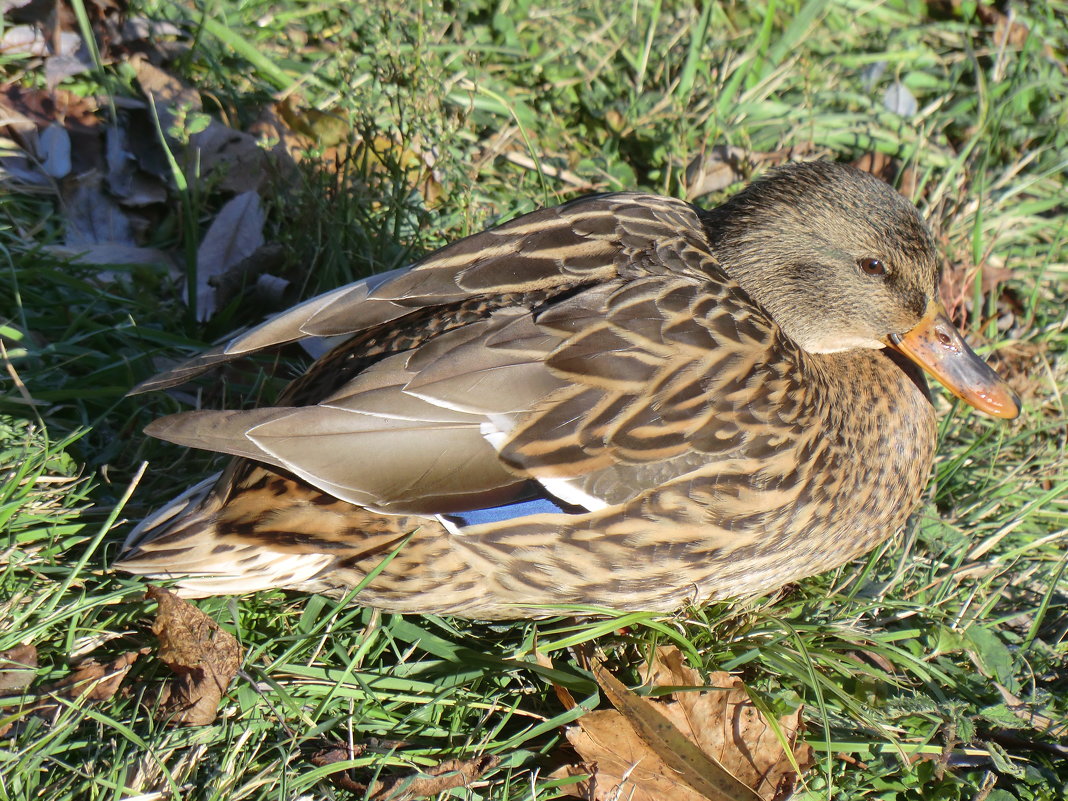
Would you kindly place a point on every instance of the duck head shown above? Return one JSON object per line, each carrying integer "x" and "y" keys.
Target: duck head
{"x": 841, "y": 261}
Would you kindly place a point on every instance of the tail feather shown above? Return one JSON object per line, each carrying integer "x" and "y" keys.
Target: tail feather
{"x": 181, "y": 540}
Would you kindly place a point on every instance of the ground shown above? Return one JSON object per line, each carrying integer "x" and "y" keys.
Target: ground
{"x": 934, "y": 668}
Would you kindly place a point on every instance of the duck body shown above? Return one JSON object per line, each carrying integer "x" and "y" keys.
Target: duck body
{"x": 600, "y": 405}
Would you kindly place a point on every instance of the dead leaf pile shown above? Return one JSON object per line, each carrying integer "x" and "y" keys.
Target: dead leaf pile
{"x": 112, "y": 175}
{"x": 204, "y": 658}
{"x": 105, "y": 163}
{"x": 707, "y": 745}
{"x": 48, "y": 31}
{"x": 89, "y": 682}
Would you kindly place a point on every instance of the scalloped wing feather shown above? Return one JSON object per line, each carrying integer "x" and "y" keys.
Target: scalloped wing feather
{"x": 579, "y": 242}
{"x": 394, "y": 437}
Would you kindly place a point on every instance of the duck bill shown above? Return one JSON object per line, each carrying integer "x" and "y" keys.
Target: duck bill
{"x": 937, "y": 346}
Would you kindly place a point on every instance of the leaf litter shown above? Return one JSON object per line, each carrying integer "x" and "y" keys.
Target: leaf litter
{"x": 431, "y": 781}
{"x": 111, "y": 173}
{"x": 707, "y": 744}
{"x": 234, "y": 235}
{"x": 204, "y": 657}
{"x": 89, "y": 682}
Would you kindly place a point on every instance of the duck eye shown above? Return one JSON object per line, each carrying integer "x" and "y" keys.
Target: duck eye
{"x": 872, "y": 266}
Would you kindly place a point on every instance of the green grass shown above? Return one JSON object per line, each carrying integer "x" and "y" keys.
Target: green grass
{"x": 895, "y": 657}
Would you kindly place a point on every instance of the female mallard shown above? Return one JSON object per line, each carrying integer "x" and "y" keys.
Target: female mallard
{"x": 622, "y": 402}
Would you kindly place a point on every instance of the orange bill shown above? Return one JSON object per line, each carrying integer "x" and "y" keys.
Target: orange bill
{"x": 937, "y": 346}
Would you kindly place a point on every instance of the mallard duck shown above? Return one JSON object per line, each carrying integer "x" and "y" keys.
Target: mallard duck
{"x": 625, "y": 402}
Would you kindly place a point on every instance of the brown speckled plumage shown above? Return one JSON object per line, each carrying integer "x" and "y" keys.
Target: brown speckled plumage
{"x": 705, "y": 392}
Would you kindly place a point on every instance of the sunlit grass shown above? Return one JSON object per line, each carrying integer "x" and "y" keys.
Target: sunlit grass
{"x": 902, "y": 659}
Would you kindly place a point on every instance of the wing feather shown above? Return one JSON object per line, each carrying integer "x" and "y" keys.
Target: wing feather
{"x": 599, "y": 352}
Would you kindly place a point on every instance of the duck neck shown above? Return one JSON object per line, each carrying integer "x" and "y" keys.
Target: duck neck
{"x": 866, "y": 392}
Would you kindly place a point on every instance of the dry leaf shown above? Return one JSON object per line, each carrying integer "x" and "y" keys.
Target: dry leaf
{"x": 890, "y": 170}
{"x": 58, "y": 128}
{"x": 234, "y": 155}
{"x": 272, "y": 290}
{"x": 296, "y": 129}
{"x": 728, "y": 725}
{"x": 722, "y": 724}
{"x": 237, "y": 277}
{"x": 166, "y": 92}
{"x": 623, "y": 765}
{"x": 1007, "y": 30}
{"x": 714, "y": 170}
{"x": 271, "y": 127}
{"x": 38, "y": 108}
{"x": 92, "y": 217}
{"x": 89, "y": 683}
{"x": 23, "y": 40}
{"x": 432, "y": 781}
{"x": 385, "y": 156}
{"x": 126, "y": 180}
{"x": 111, "y": 253}
{"x": 218, "y": 149}
{"x": 321, "y": 128}
{"x": 53, "y": 151}
{"x": 92, "y": 681}
{"x": 698, "y": 769}
{"x": 71, "y": 57}
{"x": 22, "y": 172}
{"x": 234, "y": 235}
{"x": 205, "y": 657}
{"x": 17, "y": 668}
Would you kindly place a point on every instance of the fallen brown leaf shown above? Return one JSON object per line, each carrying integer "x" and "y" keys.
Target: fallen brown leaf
{"x": 235, "y": 156}
{"x": 53, "y": 151}
{"x": 318, "y": 127}
{"x": 716, "y": 169}
{"x": 17, "y": 668}
{"x": 432, "y": 781}
{"x": 620, "y": 764}
{"x": 126, "y": 180}
{"x": 92, "y": 681}
{"x": 958, "y": 287}
{"x": 272, "y": 126}
{"x": 254, "y": 268}
{"x": 23, "y": 40}
{"x": 653, "y": 748}
{"x": 698, "y": 769}
{"x": 89, "y": 683}
{"x": 1006, "y": 30}
{"x": 728, "y": 725}
{"x": 40, "y": 121}
{"x": 111, "y": 253}
{"x": 1011, "y": 31}
{"x": 890, "y": 170}
{"x": 296, "y": 128}
{"x": 204, "y": 657}
{"x": 1021, "y": 365}
{"x": 41, "y": 108}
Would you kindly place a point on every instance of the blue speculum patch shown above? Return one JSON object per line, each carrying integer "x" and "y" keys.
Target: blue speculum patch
{"x": 508, "y": 511}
